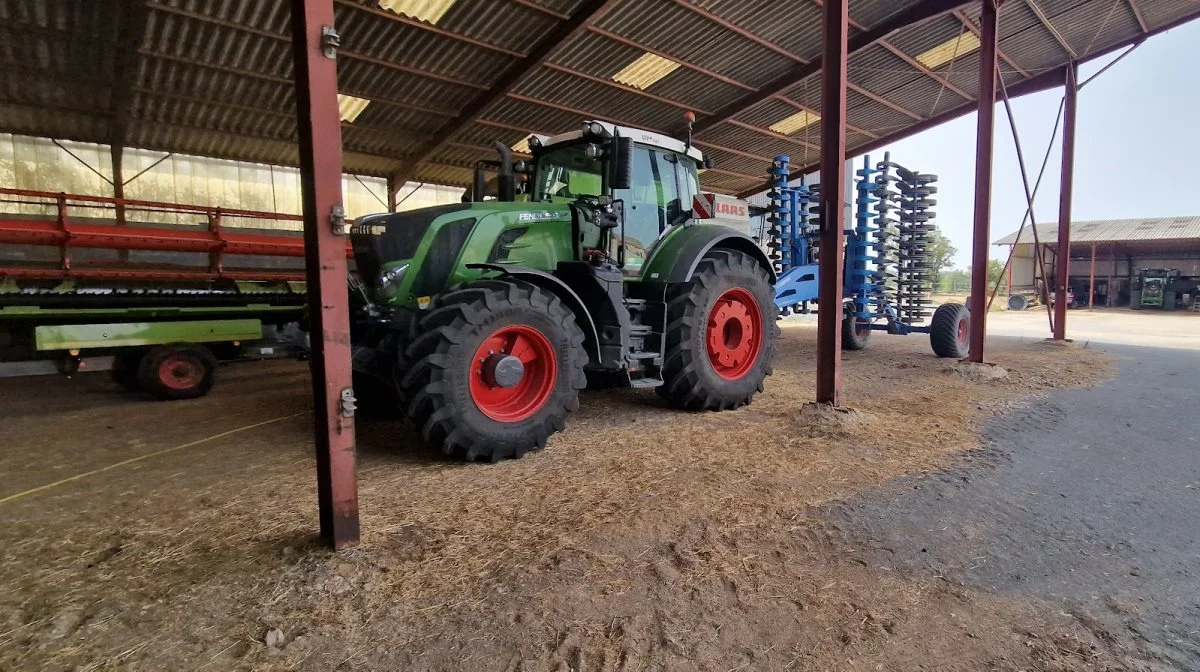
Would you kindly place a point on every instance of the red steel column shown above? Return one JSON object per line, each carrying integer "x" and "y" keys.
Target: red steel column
{"x": 1092, "y": 279}
{"x": 1063, "y": 264}
{"x": 984, "y": 134}
{"x": 833, "y": 196}
{"x": 325, "y": 261}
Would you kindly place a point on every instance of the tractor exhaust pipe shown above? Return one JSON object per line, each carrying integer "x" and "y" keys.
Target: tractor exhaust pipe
{"x": 479, "y": 185}
{"x": 506, "y": 187}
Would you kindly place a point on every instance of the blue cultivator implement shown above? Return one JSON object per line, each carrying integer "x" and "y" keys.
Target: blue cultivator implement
{"x": 888, "y": 256}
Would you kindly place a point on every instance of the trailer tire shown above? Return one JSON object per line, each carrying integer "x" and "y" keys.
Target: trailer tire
{"x": 855, "y": 334}
{"x": 177, "y": 371}
{"x": 949, "y": 330}
{"x": 727, "y": 287}
{"x": 125, "y": 368}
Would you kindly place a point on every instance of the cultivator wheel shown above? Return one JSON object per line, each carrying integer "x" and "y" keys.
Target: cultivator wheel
{"x": 950, "y": 331}
{"x": 721, "y": 334}
{"x": 496, "y": 368}
{"x": 180, "y": 371}
{"x": 855, "y": 334}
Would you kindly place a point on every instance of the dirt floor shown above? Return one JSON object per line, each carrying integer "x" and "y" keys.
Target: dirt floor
{"x": 153, "y": 536}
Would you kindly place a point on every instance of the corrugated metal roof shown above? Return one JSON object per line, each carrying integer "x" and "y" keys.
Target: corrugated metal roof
{"x": 214, "y": 76}
{"x": 1115, "y": 231}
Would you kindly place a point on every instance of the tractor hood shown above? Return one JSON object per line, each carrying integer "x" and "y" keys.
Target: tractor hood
{"x": 392, "y": 236}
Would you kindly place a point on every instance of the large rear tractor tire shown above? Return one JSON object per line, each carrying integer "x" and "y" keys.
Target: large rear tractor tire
{"x": 179, "y": 371}
{"x": 855, "y": 334}
{"x": 721, "y": 334}
{"x": 496, "y": 368}
{"x": 950, "y": 330}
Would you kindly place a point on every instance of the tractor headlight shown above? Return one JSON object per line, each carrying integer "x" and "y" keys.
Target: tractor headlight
{"x": 389, "y": 281}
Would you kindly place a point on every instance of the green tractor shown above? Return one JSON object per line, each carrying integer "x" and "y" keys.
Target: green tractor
{"x": 482, "y": 321}
{"x": 1161, "y": 288}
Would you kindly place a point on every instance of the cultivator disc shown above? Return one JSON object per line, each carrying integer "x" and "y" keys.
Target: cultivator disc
{"x": 905, "y": 211}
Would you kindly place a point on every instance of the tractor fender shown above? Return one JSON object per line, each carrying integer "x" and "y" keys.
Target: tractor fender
{"x": 676, "y": 258}
{"x": 547, "y": 281}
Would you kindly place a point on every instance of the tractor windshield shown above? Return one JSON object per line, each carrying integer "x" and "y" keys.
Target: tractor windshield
{"x": 566, "y": 173}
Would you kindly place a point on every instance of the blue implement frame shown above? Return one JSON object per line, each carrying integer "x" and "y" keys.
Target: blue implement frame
{"x": 796, "y": 225}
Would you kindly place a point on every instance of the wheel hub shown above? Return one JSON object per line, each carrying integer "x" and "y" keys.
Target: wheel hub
{"x": 513, "y": 372}
{"x": 734, "y": 335}
{"x": 501, "y": 370}
{"x": 179, "y": 373}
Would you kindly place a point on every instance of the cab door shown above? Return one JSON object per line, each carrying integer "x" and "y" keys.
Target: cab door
{"x": 661, "y": 193}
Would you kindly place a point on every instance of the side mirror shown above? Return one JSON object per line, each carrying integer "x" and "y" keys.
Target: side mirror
{"x": 621, "y": 163}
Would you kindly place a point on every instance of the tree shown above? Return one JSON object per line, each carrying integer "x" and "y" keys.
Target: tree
{"x": 942, "y": 253}
{"x": 995, "y": 275}
{"x": 954, "y": 281}
{"x": 995, "y": 271}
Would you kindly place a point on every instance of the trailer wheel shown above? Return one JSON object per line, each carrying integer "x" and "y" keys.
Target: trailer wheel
{"x": 721, "y": 334}
{"x": 496, "y": 368}
{"x": 950, "y": 330}
{"x": 125, "y": 368}
{"x": 855, "y": 333}
{"x": 179, "y": 371}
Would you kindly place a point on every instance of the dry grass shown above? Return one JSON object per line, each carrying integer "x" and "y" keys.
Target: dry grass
{"x": 185, "y": 562}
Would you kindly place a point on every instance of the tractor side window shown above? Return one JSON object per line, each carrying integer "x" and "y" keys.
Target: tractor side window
{"x": 651, "y": 205}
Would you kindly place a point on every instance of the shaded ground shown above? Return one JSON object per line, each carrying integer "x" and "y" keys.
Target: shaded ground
{"x": 641, "y": 538}
{"x": 1088, "y": 498}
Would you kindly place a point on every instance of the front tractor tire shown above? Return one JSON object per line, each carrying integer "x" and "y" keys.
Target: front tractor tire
{"x": 495, "y": 369}
{"x": 721, "y": 334}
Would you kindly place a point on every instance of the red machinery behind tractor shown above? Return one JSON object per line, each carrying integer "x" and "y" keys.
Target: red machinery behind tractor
{"x": 165, "y": 301}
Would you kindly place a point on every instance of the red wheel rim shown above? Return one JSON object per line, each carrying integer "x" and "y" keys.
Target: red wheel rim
{"x": 861, "y": 328}
{"x": 734, "y": 334}
{"x": 527, "y": 396}
{"x": 180, "y": 373}
{"x": 964, "y": 331}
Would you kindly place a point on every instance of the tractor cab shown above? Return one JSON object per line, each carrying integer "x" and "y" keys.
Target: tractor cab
{"x": 649, "y": 179}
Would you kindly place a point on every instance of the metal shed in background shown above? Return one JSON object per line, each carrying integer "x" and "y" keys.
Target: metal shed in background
{"x": 1106, "y": 255}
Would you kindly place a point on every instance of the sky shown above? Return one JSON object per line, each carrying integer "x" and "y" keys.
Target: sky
{"x": 1135, "y": 143}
